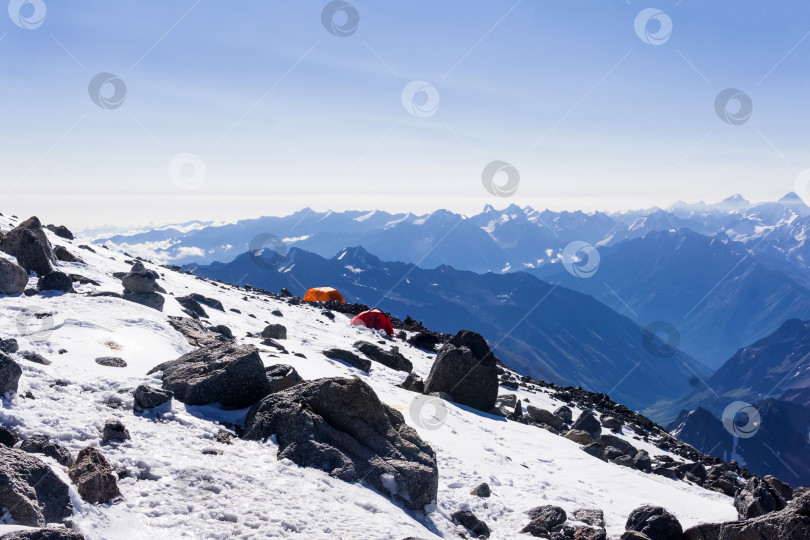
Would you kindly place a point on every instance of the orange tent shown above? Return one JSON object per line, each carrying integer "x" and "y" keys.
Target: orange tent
{"x": 323, "y": 294}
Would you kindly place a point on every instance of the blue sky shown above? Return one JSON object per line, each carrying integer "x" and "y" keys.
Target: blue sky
{"x": 283, "y": 114}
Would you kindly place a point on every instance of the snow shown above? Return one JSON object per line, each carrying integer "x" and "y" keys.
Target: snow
{"x": 173, "y": 490}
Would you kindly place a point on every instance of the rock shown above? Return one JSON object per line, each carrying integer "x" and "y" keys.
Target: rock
{"x": 34, "y": 357}
{"x": 595, "y": 449}
{"x": 55, "y": 281}
{"x": 780, "y": 489}
{"x": 790, "y": 523}
{"x": 31, "y": 491}
{"x": 467, "y": 519}
{"x": 696, "y": 470}
{"x": 545, "y": 417}
{"x": 210, "y": 302}
{"x": 150, "y": 300}
{"x": 29, "y": 244}
{"x": 625, "y": 461}
{"x": 756, "y": 499}
{"x": 642, "y": 461}
{"x": 282, "y": 377}
{"x": 62, "y": 254}
{"x": 578, "y": 436}
{"x": 10, "y": 374}
{"x": 643, "y": 421}
{"x": 594, "y": 517}
{"x": 611, "y": 423}
{"x": 13, "y": 278}
{"x": 223, "y": 330}
{"x": 9, "y": 345}
{"x": 340, "y": 426}
{"x": 617, "y": 442}
{"x": 424, "y": 340}
{"x": 552, "y": 515}
{"x": 7, "y": 437}
{"x": 633, "y": 535}
{"x": 537, "y": 527}
{"x": 471, "y": 380}
{"x": 285, "y": 293}
{"x": 114, "y": 430}
{"x": 275, "y": 331}
{"x": 481, "y": 491}
{"x": 40, "y": 444}
{"x": 655, "y": 522}
{"x": 93, "y": 477}
{"x": 274, "y": 343}
{"x": 111, "y": 361}
{"x": 414, "y": 383}
{"x": 348, "y": 357}
{"x": 277, "y": 313}
{"x": 140, "y": 283}
{"x": 148, "y": 397}
{"x": 192, "y": 307}
{"x": 225, "y": 373}
{"x": 508, "y": 404}
{"x": 587, "y": 422}
{"x": 589, "y": 533}
{"x": 194, "y": 332}
{"x": 565, "y": 414}
{"x": 392, "y": 359}
{"x": 45, "y": 534}
{"x": 61, "y": 231}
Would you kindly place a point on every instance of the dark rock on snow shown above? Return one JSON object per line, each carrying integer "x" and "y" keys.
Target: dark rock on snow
{"x": 29, "y": 244}
{"x": 111, "y": 361}
{"x": 413, "y": 383}
{"x": 9, "y": 345}
{"x": 275, "y": 331}
{"x": 114, "y": 430}
{"x": 45, "y": 534}
{"x": 756, "y": 499}
{"x": 210, "y": 302}
{"x": 339, "y": 425}
{"x": 62, "y": 254}
{"x": 40, "y": 444}
{"x": 10, "y": 374}
{"x": 655, "y": 522}
{"x": 34, "y": 357}
{"x": 478, "y": 528}
{"x": 587, "y": 422}
{"x": 7, "y": 437}
{"x": 565, "y": 414}
{"x": 147, "y": 397}
{"x": 93, "y": 477}
{"x": 349, "y": 357}
{"x": 481, "y": 490}
{"x": 392, "y": 359}
{"x": 545, "y": 417}
{"x": 225, "y": 373}
{"x": 61, "y": 231}
{"x": 55, "y": 281}
{"x": 192, "y": 306}
{"x": 13, "y": 278}
{"x": 465, "y": 368}
{"x": 34, "y": 495}
{"x": 194, "y": 332}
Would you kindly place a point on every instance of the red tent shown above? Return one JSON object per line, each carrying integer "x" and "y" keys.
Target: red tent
{"x": 375, "y": 319}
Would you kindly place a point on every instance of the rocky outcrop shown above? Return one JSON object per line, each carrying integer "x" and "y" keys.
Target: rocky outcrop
{"x": 756, "y": 499}
{"x": 465, "y": 368}
{"x": 226, "y": 373}
{"x": 339, "y": 425}
{"x": 93, "y": 477}
{"x": 32, "y": 493}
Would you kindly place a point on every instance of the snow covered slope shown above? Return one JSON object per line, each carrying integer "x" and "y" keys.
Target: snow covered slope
{"x": 177, "y": 481}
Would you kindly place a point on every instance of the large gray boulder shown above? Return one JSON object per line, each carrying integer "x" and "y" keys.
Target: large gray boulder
{"x": 282, "y": 377}
{"x": 465, "y": 368}
{"x": 226, "y": 373}
{"x": 32, "y": 493}
{"x": 30, "y": 245}
{"x": 9, "y": 374}
{"x": 13, "y": 278}
{"x": 340, "y": 426}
